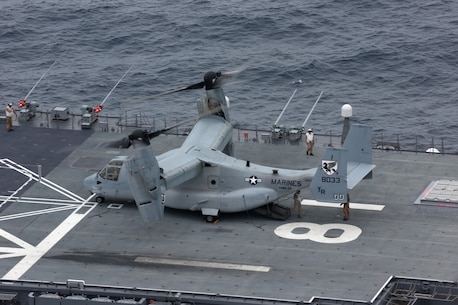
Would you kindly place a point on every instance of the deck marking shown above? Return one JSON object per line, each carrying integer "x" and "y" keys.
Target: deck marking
{"x": 62, "y": 205}
{"x": 179, "y": 262}
{"x": 34, "y": 254}
{"x": 317, "y": 232}
{"x": 39, "y": 200}
{"x": 21, "y": 250}
{"x": 353, "y": 205}
{"x": 35, "y": 213}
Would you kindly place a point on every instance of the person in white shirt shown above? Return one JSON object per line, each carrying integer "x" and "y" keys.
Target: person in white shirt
{"x": 310, "y": 141}
{"x": 9, "y": 111}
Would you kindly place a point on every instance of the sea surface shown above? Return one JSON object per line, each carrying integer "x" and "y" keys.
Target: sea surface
{"x": 395, "y": 62}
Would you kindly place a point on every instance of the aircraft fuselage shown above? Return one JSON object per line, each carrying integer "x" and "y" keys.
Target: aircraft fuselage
{"x": 236, "y": 185}
{"x": 230, "y": 185}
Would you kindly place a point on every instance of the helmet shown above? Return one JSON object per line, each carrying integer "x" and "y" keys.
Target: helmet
{"x": 10, "y": 104}
{"x": 310, "y": 129}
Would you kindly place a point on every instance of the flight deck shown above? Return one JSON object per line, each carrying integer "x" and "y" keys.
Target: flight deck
{"x": 52, "y": 230}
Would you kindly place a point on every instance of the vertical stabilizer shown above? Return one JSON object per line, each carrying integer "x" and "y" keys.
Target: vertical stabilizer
{"x": 359, "y": 147}
{"x": 146, "y": 184}
{"x": 343, "y": 168}
{"x": 330, "y": 181}
{"x": 359, "y": 143}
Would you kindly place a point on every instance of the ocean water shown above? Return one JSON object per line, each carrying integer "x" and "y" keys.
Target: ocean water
{"x": 395, "y": 62}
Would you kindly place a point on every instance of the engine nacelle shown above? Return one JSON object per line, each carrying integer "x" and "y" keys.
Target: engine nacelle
{"x": 143, "y": 175}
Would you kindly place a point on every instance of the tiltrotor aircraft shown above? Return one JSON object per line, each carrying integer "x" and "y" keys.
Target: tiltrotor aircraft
{"x": 203, "y": 174}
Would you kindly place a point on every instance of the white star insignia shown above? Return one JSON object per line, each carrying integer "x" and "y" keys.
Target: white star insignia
{"x": 253, "y": 180}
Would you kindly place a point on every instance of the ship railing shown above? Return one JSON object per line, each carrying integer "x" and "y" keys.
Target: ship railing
{"x": 433, "y": 144}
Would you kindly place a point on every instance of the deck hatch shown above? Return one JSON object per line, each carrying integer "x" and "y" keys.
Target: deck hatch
{"x": 440, "y": 193}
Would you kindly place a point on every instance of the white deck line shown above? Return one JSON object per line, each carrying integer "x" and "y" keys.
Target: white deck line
{"x": 37, "y": 212}
{"x": 353, "y": 205}
{"x": 179, "y": 262}
{"x": 36, "y": 253}
{"x": 39, "y": 200}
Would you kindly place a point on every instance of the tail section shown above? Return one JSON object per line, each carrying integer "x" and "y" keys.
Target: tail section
{"x": 330, "y": 181}
{"x": 359, "y": 143}
{"x": 343, "y": 168}
{"x": 359, "y": 147}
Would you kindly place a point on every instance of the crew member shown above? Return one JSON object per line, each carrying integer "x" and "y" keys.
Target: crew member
{"x": 9, "y": 111}
{"x": 346, "y": 208}
{"x": 310, "y": 141}
{"x": 297, "y": 203}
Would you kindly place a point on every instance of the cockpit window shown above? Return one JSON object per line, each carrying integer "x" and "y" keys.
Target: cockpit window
{"x": 103, "y": 173}
{"x": 111, "y": 171}
{"x": 115, "y": 163}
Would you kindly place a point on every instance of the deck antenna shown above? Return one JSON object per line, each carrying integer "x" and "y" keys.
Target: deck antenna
{"x": 90, "y": 113}
{"x": 101, "y": 105}
{"x": 33, "y": 88}
{"x": 311, "y": 110}
{"x": 290, "y": 99}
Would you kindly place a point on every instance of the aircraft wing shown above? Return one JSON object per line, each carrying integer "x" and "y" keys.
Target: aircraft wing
{"x": 356, "y": 172}
{"x": 178, "y": 168}
{"x": 180, "y": 165}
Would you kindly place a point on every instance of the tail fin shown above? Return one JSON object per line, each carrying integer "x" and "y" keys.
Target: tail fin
{"x": 342, "y": 169}
{"x": 359, "y": 143}
{"x": 359, "y": 147}
{"x": 330, "y": 181}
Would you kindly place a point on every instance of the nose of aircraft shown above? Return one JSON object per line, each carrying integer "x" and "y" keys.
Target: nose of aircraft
{"x": 90, "y": 182}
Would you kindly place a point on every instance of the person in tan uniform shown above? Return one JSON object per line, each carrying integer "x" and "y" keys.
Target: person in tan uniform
{"x": 346, "y": 208}
{"x": 9, "y": 111}
{"x": 297, "y": 203}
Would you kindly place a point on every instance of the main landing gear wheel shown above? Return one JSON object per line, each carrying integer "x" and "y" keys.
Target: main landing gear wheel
{"x": 210, "y": 215}
{"x": 211, "y": 219}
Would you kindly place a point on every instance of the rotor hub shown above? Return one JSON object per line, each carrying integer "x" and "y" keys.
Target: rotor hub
{"x": 210, "y": 79}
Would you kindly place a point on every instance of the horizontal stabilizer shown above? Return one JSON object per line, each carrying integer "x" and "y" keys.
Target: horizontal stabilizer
{"x": 357, "y": 172}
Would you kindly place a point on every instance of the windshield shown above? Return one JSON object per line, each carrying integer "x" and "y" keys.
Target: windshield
{"x": 111, "y": 171}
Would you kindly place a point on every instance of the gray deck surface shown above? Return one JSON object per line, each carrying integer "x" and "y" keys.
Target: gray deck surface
{"x": 33, "y": 146}
{"x": 403, "y": 239}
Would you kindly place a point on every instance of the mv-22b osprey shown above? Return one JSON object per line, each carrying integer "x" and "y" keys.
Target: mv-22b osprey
{"x": 203, "y": 174}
